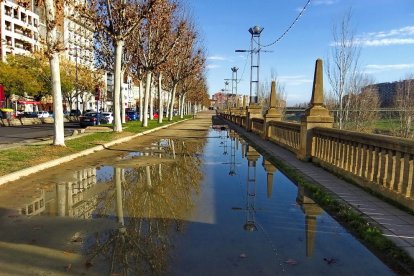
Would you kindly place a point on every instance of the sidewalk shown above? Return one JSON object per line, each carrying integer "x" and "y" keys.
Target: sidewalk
{"x": 395, "y": 224}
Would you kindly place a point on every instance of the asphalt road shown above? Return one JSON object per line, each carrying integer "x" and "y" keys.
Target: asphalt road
{"x": 31, "y": 133}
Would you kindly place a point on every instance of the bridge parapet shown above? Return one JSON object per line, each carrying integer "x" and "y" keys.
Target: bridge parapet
{"x": 285, "y": 134}
{"x": 381, "y": 163}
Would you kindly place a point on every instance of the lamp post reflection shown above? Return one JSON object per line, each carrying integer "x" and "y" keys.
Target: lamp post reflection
{"x": 233, "y": 143}
{"x": 252, "y": 156}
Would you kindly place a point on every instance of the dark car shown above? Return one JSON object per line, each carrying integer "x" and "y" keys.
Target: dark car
{"x": 132, "y": 115}
{"x": 29, "y": 115}
{"x": 88, "y": 119}
{"x": 75, "y": 112}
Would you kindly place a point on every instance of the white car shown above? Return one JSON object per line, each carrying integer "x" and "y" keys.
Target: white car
{"x": 42, "y": 114}
{"x": 107, "y": 117}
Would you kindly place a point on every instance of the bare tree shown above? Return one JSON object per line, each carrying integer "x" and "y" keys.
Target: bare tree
{"x": 117, "y": 19}
{"x": 343, "y": 65}
{"x": 404, "y": 102}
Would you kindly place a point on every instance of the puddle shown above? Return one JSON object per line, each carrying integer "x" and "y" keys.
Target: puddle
{"x": 178, "y": 207}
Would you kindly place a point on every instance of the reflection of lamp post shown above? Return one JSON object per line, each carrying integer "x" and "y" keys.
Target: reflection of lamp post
{"x": 252, "y": 156}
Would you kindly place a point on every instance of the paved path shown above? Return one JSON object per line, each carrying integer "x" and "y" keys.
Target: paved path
{"x": 397, "y": 225}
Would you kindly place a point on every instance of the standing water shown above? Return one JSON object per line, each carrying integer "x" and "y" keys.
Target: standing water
{"x": 191, "y": 205}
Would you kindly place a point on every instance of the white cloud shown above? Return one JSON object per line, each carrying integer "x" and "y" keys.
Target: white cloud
{"x": 220, "y": 58}
{"x": 401, "y": 36}
{"x": 213, "y": 66}
{"x": 376, "y": 68}
{"x": 294, "y": 80}
{"x": 324, "y": 2}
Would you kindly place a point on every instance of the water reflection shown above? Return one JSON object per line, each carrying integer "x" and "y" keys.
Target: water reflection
{"x": 151, "y": 202}
{"x": 311, "y": 211}
{"x": 252, "y": 157}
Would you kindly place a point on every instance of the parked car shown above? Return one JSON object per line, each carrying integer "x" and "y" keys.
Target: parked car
{"x": 28, "y": 115}
{"x": 75, "y": 112}
{"x": 43, "y": 114}
{"x": 88, "y": 119}
{"x": 132, "y": 115}
{"x": 107, "y": 117}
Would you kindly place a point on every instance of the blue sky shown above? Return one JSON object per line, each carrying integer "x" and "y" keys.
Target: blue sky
{"x": 384, "y": 27}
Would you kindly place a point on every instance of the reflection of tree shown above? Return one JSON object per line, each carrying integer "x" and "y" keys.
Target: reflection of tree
{"x": 151, "y": 202}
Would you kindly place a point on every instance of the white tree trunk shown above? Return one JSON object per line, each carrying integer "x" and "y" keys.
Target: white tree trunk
{"x": 182, "y": 106}
{"x": 151, "y": 101}
{"x": 160, "y": 100}
{"x": 167, "y": 108}
{"x": 141, "y": 97}
{"x": 144, "y": 113}
{"x": 122, "y": 98}
{"x": 171, "y": 113}
{"x": 52, "y": 40}
{"x": 119, "y": 44}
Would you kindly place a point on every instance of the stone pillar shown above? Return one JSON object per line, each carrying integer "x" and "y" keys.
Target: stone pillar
{"x": 273, "y": 113}
{"x": 253, "y": 111}
{"x": 317, "y": 115}
{"x": 270, "y": 169}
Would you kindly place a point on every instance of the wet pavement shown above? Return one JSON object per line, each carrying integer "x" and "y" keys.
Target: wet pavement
{"x": 188, "y": 200}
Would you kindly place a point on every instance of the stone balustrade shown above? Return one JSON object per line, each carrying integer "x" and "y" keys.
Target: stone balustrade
{"x": 285, "y": 134}
{"x": 384, "y": 164}
{"x": 257, "y": 126}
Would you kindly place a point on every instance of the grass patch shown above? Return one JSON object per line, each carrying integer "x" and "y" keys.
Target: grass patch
{"x": 15, "y": 159}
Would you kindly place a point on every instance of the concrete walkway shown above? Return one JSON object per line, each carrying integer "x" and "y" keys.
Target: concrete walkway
{"x": 397, "y": 225}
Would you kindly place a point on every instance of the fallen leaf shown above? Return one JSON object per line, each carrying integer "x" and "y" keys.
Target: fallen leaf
{"x": 88, "y": 264}
{"x": 76, "y": 239}
{"x": 242, "y": 255}
{"x": 68, "y": 267}
{"x": 329, "y": 261}
{"x": 291, "y": 262}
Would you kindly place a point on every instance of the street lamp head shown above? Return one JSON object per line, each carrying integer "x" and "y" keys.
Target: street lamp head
{"x": 256, "y": 30}
{"x": 241, "y": 51}
{"x": 234, "y": 69}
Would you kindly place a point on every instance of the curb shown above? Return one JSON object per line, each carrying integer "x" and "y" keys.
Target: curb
{"x": 25, "y": 172}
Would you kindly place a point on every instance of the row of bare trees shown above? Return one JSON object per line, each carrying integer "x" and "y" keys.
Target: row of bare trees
{"x": 153, "y": 41}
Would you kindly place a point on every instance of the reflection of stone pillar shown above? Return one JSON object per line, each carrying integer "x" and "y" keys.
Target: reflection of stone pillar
{"x": 61, "y": 199}
{"x": 317, "y": 115}
{"x": 252, "y": 156}
{"x": 311, "y": 211}
{"x": 270, "y": 169}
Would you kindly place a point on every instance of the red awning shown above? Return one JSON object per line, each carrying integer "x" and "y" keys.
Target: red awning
{"x": 28, "y": 102}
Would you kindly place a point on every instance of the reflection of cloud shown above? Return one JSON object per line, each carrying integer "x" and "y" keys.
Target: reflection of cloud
{"x": 376, "y": 68}
{"x": 294, "y": 80}
{"x": 212, "y": 66}
{"x": 401, "y": 36}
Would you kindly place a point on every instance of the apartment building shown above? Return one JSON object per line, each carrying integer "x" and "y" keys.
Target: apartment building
{"x": 19, "y": 29}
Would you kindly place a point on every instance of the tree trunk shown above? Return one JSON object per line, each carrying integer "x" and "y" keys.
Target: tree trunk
{"x": 167, "y": 108}
{"x": 160, "y": 100}
{"x": 171, "y": 113}
{"x": 151, "y": 101}
{"x": 51, "y": 39}
{"x": 122, "y": 98}
{"x": 144, "y": 113}
{"x": 119, "y": 44}
{"x": 182, "y": 106}
{"x": 141, "y": 104}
